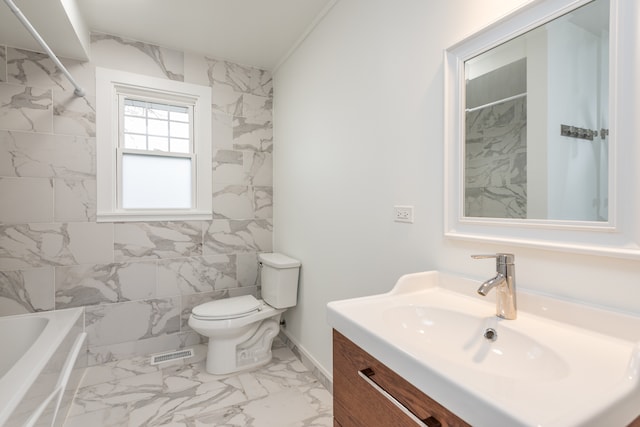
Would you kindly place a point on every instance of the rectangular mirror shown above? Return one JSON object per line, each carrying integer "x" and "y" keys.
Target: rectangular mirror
{"x": 540, "y": 118}
{"x": 536, "y": 120}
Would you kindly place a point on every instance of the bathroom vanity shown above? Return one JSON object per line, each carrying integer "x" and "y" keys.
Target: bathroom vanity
{"x": 421, "y": 354}
{"x": 368, "y": 393}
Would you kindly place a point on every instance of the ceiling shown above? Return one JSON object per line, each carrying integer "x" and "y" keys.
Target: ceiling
{"x": 259, "y": 33}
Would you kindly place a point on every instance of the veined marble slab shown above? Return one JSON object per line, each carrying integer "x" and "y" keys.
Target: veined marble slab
{"x": 496, "y": 161}
{"x": 233, "y": 236}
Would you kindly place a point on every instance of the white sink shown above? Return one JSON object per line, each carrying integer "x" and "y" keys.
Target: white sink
{"x": 458, "y": 339}
{"x": 557, "y": 364}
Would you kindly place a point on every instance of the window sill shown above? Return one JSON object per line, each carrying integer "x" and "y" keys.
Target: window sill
{"x": 151, "y": 216}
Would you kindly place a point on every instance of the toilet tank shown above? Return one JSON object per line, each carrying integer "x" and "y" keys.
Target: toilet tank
{"x": 279, "y": 276}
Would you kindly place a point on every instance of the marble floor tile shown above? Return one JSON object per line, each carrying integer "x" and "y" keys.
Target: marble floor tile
{"x": 112, "y": 372}
{"x": 283, "y": 393}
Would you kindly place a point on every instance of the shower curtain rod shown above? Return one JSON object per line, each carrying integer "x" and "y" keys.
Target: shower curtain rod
{"x": 78, "y": 90}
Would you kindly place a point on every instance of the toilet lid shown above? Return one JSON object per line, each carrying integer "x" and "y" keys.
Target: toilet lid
{"x": 228, "y": 308}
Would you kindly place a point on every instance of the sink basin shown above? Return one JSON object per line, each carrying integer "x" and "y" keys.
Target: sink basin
{"x": 458, "y": 338}
{"x": 557, "y": 364}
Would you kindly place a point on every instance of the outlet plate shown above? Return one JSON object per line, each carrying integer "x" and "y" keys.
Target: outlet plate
{"x": 403, "y": 214}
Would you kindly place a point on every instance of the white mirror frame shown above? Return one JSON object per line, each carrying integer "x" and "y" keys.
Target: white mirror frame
{"x": 620, "y": 236}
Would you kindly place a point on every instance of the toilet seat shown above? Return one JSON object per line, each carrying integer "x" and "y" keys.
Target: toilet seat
{"x": 228, "y": 308}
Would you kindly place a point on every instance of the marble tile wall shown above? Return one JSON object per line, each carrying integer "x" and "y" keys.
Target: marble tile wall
{"x": 137, "y": 281}
{"x": 496, "y": 161}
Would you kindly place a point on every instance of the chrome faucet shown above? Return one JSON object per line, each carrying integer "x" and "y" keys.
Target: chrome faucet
{"x": 505, "y": 284}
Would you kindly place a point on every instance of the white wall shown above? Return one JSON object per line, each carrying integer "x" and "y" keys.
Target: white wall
{"x": 358, "y": 127}
{"x": 537, "y": 101}
{"x": 574, "y": 181}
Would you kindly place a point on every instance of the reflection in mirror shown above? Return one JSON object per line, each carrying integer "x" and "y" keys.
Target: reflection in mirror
{"x": 536, "y": 122}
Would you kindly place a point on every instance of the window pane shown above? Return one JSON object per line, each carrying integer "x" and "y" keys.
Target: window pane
{"x": 180, "y": 116}
{"x": 157, "y": 123}
{"x": 132, "y": 110}
{"x": 158, "y": 182}
{"x": 135, "y": 125}
{"x": 179, "y": 130}
{"x": 158, "y": 143}
{"x": 155, "y": 113}
{"x": 137, "y": 142}
{"x": 180, "y": 145}
{"x": 158, "y": 127}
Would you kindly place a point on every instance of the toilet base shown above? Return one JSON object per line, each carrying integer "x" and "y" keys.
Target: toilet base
{"x": 253, "y": 350}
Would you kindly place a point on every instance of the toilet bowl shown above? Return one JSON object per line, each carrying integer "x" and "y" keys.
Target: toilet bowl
{"x": 241, "y": 329}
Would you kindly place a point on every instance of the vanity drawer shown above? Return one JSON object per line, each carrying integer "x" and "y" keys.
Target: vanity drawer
{"x": 359, "y": 402}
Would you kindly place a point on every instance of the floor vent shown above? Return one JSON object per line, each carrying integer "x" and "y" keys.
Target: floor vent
{"x": 171, "y": 356}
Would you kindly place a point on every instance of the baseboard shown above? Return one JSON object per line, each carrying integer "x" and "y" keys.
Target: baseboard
{"x": 325, "y": 377}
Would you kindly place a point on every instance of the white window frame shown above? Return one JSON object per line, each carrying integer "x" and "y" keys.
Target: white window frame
{"x": 110, "y": 86}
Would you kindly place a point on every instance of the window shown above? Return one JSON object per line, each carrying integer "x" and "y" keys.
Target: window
{"x": 153, "y": 148}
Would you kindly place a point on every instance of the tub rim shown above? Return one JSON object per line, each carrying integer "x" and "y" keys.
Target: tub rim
{"x": 24, "y": 373}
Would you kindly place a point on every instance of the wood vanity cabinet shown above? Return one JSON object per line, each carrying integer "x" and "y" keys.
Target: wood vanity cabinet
{"x": 359, "y": 403}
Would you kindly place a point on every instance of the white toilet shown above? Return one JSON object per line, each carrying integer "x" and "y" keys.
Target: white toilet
{"x": 241, "y": 329}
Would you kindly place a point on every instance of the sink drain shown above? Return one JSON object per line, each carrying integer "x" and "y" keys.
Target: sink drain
{"x": 491, "y": 334}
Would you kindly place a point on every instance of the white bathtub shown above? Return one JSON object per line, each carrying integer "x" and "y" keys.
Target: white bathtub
{"x": 40, "y": 366}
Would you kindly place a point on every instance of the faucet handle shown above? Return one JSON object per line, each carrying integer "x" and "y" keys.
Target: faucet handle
{"x": 501, "y": 258}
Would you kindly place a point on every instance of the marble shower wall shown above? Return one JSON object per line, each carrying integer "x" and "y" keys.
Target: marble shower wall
{"x": 496, "y": 161}
{"x": 139, "y": 280}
